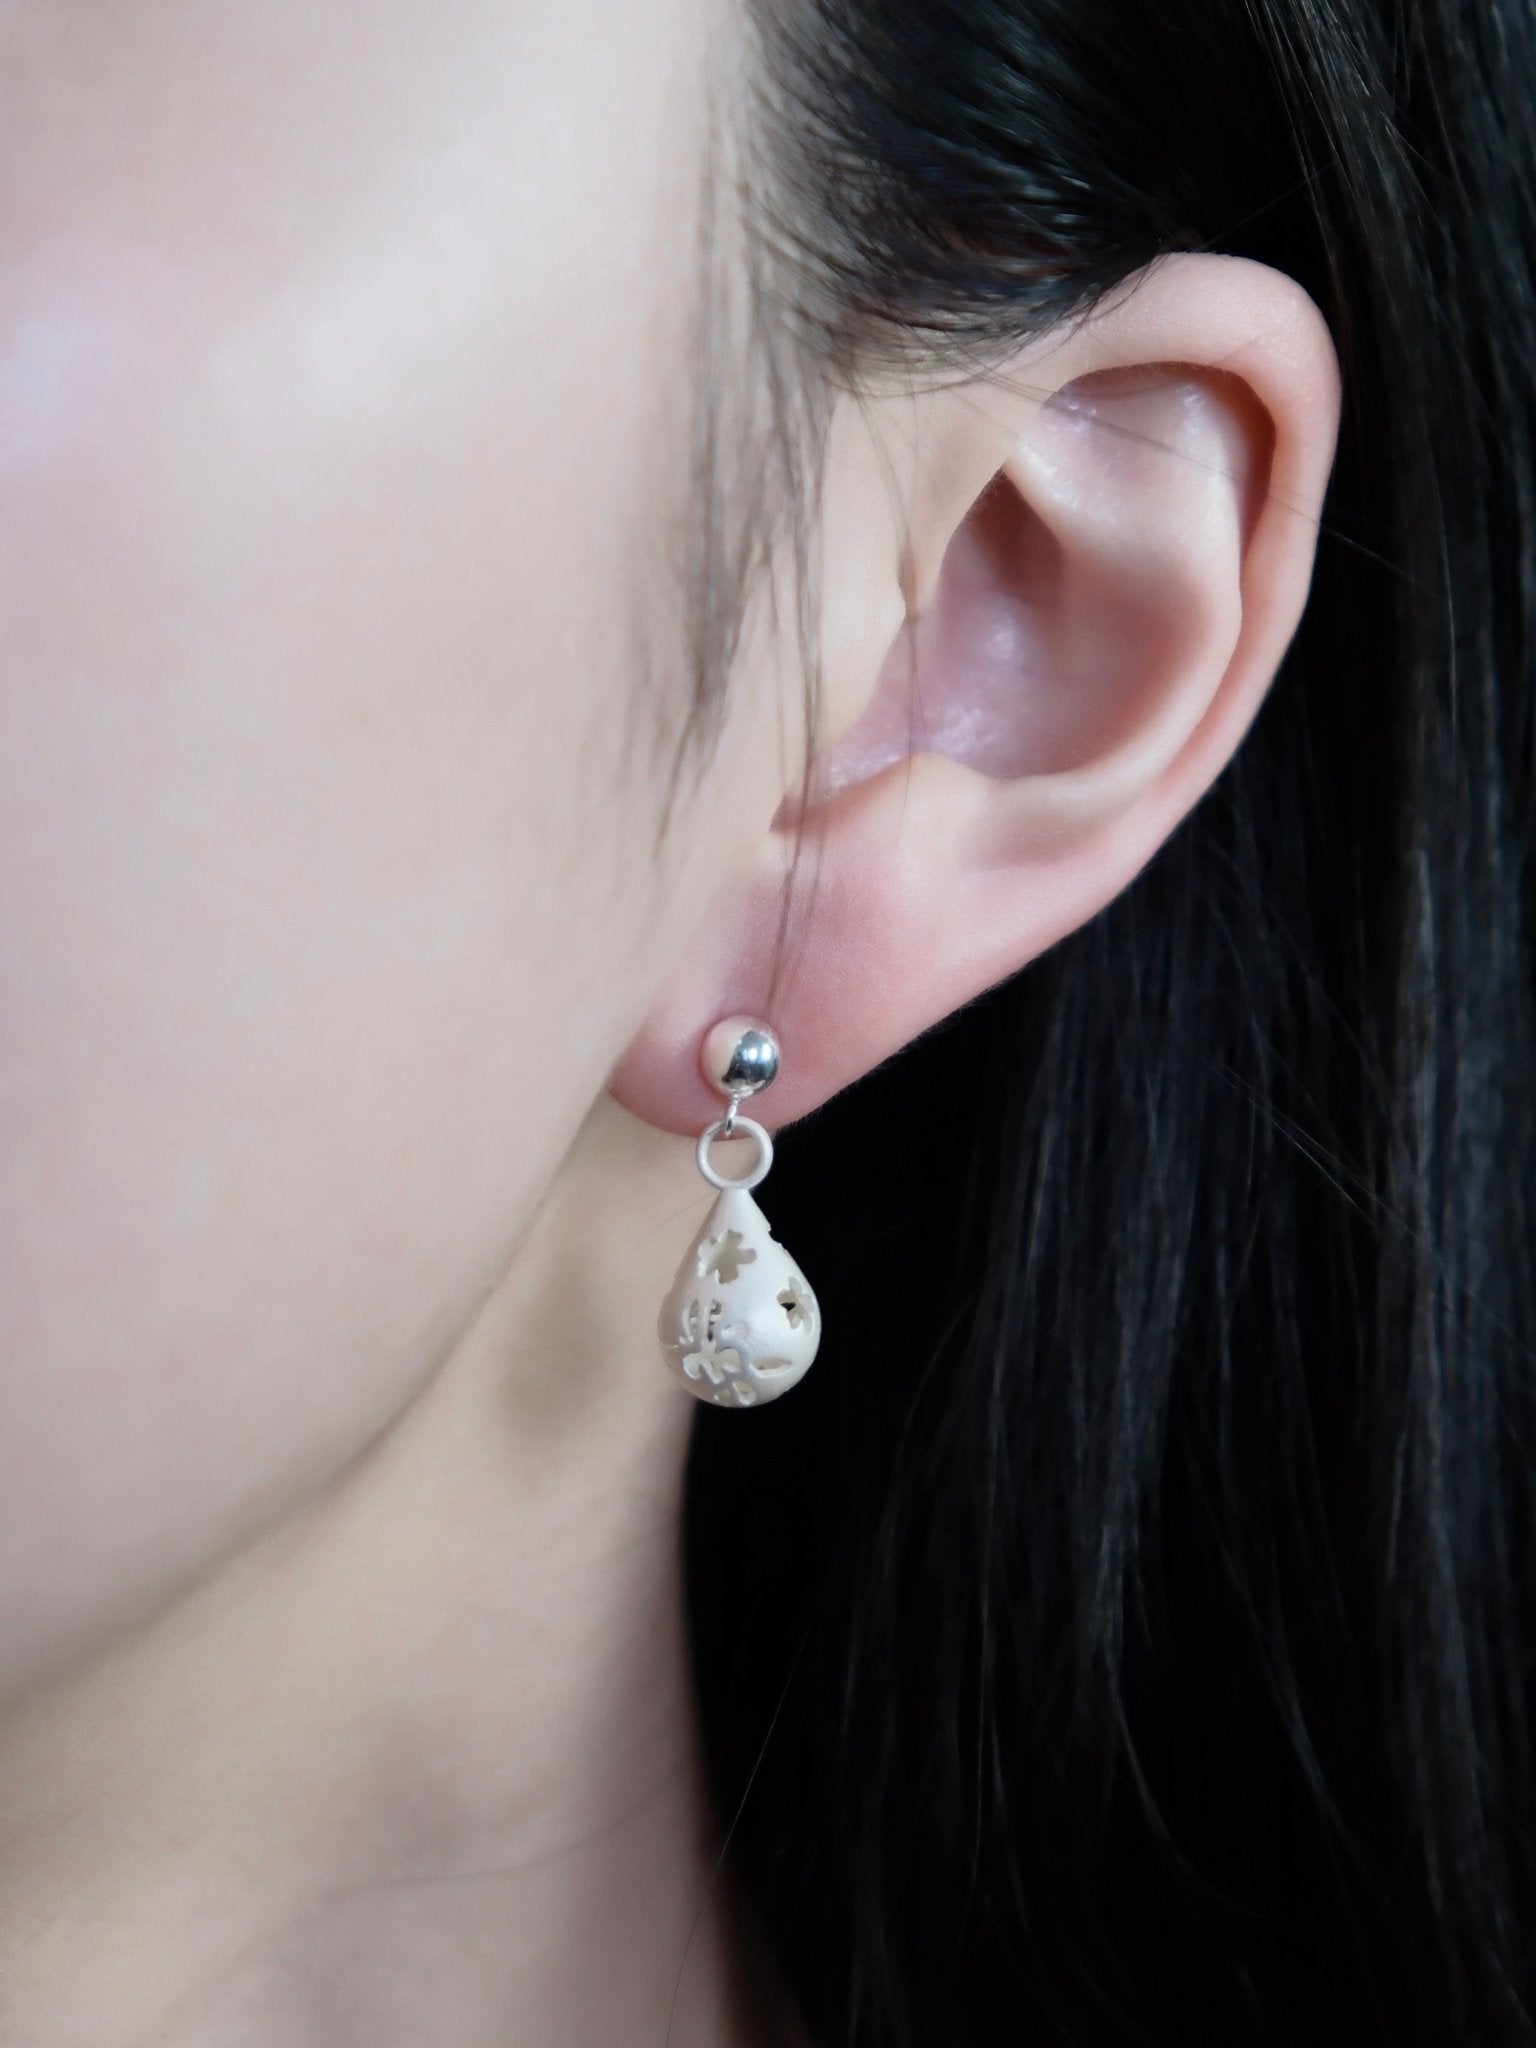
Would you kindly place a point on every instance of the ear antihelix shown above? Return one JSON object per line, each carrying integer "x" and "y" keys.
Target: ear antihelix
{"x": 1086, "y": 601}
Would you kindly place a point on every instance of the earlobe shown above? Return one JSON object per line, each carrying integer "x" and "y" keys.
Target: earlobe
{"x": 1111, "y": 541}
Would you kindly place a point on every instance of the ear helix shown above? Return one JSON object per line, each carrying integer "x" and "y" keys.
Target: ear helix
{"x": 740, "y": 1324}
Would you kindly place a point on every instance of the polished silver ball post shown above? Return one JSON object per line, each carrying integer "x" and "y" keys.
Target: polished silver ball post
{"x": 740, "y": 1057}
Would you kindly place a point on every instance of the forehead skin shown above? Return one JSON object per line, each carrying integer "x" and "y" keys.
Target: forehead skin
{"x": 331, "y": 345}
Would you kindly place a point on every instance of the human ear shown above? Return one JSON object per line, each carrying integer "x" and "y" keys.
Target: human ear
{"x": 1091, "y": 560}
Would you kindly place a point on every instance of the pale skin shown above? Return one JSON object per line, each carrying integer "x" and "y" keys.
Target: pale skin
{"x": 348, "y": 1054}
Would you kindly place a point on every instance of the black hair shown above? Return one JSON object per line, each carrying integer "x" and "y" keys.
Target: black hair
{"x": 1127, "y": 1633}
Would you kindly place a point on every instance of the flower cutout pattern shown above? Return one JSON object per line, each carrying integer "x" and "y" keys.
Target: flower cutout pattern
{"x": 724, "y": 1256}
{"x": 712, "y": 1356}
{"x": 792, "y": 1299}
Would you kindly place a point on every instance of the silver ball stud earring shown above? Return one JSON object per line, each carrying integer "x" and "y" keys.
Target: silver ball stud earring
{"x": 740, "y": 1324}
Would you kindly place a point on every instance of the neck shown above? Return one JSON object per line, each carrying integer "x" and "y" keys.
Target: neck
{"x": 422, "y": 1762}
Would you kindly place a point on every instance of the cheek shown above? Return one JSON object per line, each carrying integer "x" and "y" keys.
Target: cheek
{"x": 299, "y": 913}
{"x": 314, "y": 944}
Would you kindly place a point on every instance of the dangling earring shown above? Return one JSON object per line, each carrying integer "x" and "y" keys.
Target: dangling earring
{"x": 740, "y": 1325}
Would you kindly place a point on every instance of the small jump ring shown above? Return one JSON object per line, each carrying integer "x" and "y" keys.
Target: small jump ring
{"x": 745, "y": 1127}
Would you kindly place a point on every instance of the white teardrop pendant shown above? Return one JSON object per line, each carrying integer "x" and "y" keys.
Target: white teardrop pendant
{"x": 740, "y": 1325}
